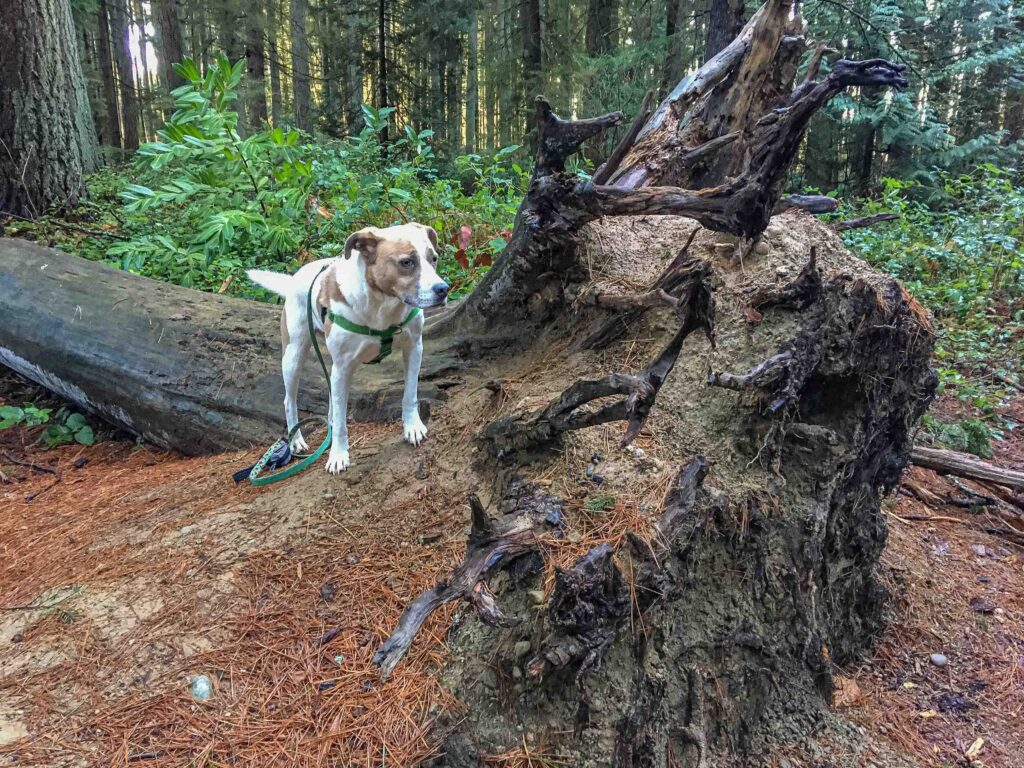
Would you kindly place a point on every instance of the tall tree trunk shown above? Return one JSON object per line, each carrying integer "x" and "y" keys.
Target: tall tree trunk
{"x": 46, "y": 127}
{"x": 112, "y": 126}
{"x": 118, "y": 13}
{"x": 453, "y": 71}
{"x": 355, "y": 67}
{"x": 383, "y": 98}
{"x": 331, "y": 113}
{"x": 602, "y": 20}
{"x": 725, "y": 20}
{"x": 255, "y": 70}
{"x": 472, "y": 81}
{"x": 529, "y": 20}
{"x": 276, "y": 97}
{"x": 302, "y": 99}
{"x": 674, "y": 61}
{"x": 170, "y": 47}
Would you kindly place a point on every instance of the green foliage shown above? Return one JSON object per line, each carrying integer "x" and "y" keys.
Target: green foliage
{"x": 67, "y": 427}
{"x": 70, "y": 428}
{"x": 962, "y": 256}
{"x": 206, "y": 203}
{"x": 29, "y": 415}
{"x": 971, "y": 435}
{"x": 958, "y": 247}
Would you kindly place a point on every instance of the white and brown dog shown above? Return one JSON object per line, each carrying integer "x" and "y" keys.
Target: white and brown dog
{"x": 394, "y": 270}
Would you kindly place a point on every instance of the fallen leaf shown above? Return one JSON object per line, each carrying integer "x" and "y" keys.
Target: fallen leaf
{"x": 909, "y": 686}
{"x": 751, "y": 315}
{"x": 928, "y": 713}
{"x": 847, "y": 692}
{"x": 975, "y": 749}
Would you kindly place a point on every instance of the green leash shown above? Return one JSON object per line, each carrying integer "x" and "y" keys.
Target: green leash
{"x": 386, "y": 336}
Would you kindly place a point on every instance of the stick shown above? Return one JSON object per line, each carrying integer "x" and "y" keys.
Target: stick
{"x": 71, "y": 227}
{"x": 611, "y": 165}
{"x": 963, "y": 465}
{"x": 865, "y": 221}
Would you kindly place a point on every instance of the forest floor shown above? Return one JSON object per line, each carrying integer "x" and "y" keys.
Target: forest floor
{"x": 135, "y": 570}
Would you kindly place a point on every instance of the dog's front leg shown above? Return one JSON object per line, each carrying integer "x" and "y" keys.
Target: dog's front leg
{"x": 341, "y": 380}
{"x": 412, "y": 353}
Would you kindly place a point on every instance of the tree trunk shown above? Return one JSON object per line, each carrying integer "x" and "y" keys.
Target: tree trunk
{"x": 193, "y": 372}
{"x": 602, "y": 23}
{"x": 302, "y": 100}
{"x": 125, "y": 73}
{"x": 383, "y": 97}
{"x": 472, "y": 82}
{"x": 276, "y": 97}
{"x": 112, "y": 130}
{"x": 725, "y": 19}
{"x": 169, "y": 44}
{"x": 46, "y": 127}
{"x": 355, "y": 67}
{"x": 674, "y": 60}
{"x": 255, "y": 86}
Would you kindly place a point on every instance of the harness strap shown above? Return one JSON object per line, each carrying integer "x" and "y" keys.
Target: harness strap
{"x": 386, "y": 335}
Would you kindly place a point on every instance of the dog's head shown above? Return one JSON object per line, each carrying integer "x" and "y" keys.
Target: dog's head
{"x": 401, "y": 261}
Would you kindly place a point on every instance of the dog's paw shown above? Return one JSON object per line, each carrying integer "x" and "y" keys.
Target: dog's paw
{"x": 415, "y": 430}
{"x": 298, "y": 443}
{"x": 337, "y": 462}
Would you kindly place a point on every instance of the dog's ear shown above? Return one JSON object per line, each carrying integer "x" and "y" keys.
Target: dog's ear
{"x": 431, "y": 233}
{"x": 364, "y": 241}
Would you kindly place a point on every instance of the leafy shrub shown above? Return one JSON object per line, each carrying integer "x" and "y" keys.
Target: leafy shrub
{"x": 969, "y": 435}
{"x": 207, "y": 203}
{"x": 68, "y": 427}
{"x": 963, "y": 258}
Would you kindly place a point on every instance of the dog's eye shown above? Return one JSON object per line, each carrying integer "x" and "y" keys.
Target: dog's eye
{"x": 407, "y": 263}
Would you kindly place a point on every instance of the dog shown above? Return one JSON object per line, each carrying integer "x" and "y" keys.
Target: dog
{"x": 383, "y": 280}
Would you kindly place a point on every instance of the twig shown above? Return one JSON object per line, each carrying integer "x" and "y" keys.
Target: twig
{"x": 611, "y": 165}
{"x": 865, "y": 221}
{"x": 38, "y": 467}
{"x": 71, "y": 227}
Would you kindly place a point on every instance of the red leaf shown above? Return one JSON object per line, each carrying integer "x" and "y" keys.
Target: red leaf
{"x": 465, "y": 235}
{"x": 483, "y": 259}
{"x": 460, "y": 256}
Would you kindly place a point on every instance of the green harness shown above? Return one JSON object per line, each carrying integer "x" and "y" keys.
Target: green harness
{"x": 386, "y": 336}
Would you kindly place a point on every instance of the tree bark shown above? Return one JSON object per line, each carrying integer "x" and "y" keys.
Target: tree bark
{"x": 472, "y": 81}
{"x": 355, "y": 68}
{"x": 302, "y": 99}
{"x": 197, "y": 373}
{"x": 276, "y": 97}
{"x": 602, "y": 23}
{"x": 255, "y": 69}
{"x": 964, "y": 465}
{"x": 111, "y": 133}
{"x": 126, "y": 84}
{"x": 725, "y": 19}
{"x": 169, "y": 43}
{"x": 47, "y": 136}
{"x": 383, "y": 97}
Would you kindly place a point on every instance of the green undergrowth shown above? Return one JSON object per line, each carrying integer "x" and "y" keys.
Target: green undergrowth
{"x": 959, "y": 250}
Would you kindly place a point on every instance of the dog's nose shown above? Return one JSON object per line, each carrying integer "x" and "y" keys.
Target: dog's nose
{"x": 441, "y": 290}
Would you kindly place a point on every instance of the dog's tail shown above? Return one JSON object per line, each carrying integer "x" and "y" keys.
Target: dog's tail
{"x": 272, "y": 281}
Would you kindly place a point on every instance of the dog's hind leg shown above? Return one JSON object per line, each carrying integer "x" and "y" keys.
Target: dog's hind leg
{"x": 293, "y": 357}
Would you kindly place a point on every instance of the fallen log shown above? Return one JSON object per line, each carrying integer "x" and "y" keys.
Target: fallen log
{"x": 191, "y": 371}
{"x": 963, "y": 465}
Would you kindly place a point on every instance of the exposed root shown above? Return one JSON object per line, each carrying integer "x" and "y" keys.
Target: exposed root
{"x": 493, "y": 543}
{"x": 694, "y": 305}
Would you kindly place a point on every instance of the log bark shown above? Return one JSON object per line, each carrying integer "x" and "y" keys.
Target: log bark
{"x": 195, "y": 372}
{"x": 964, "y": 465}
